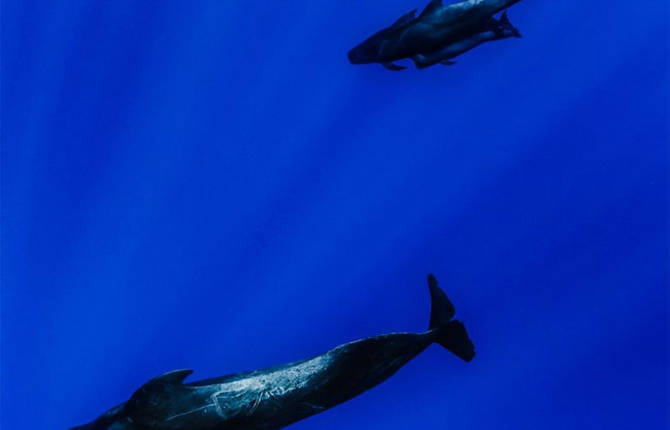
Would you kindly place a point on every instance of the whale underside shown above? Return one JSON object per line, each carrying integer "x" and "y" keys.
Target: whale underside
{"x": 437, "y": 35}
{"x": 276, "y": 397}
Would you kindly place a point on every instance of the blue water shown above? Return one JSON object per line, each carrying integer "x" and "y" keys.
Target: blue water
{"x": 211, "y": 185}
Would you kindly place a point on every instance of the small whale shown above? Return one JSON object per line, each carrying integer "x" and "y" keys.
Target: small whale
{"x": 276, "y": 397}
{"x": 436, "y": 35}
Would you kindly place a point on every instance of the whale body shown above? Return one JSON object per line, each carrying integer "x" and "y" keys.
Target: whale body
{"x": 276, "y": 397}
{"x": 440, "y": 32}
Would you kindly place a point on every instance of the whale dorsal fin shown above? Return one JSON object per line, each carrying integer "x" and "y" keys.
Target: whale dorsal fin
{"x": 174, "y": 377}
{"x": 166, "y": 382}
{"x": 404, "y": 19}
{"x": 431, "y": 7}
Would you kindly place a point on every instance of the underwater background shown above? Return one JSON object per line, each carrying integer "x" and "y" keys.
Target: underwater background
{"x": 211, "y": 185}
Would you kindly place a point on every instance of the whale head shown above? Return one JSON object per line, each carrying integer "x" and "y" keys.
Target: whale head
{"x": 365, "y": 53}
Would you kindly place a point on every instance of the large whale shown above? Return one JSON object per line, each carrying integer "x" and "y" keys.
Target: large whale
{"x": 276, "y": 397}
{"x": 439, "y": 32}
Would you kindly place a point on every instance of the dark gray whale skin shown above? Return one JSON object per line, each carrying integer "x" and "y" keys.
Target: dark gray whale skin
{"x": 437, "y": 27}
{"x": 276, "y": 397}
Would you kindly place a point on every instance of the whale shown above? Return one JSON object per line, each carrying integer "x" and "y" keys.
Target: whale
{"x": 276, "y": 397}
{"x": 438, "y": 31}
{"x": 500, "y": 29}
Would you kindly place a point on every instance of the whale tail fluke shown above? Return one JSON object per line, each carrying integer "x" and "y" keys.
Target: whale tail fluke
{"x": 506, "y": 24}
{"x": 451, "y": 334}
{"x": 455, "y": 338}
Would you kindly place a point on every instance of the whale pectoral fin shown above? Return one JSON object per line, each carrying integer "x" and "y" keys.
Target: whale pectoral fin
{"x": 394, "y": 67}
{"x": 447, "y": 62}
{"x": 420, "y": 61}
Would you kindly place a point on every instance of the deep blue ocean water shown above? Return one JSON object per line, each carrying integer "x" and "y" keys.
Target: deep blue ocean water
{"x": 212, "y": 185}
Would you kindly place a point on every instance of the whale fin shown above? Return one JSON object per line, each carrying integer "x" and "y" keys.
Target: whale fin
{"x": 504, "y": 19}
{"x": 404, "y": 19}
{"x": 441, "y": 308}
{"x": 420, "y": 61}
{"x": 506, "y": 24}
{"x": 451, "y": 334}
{"x": 393, "y": 67}
{"x": 166, "y": 382}
{"x": 431, "y": 7}
{"x": 455, "y": 338}
{"x": 174, "y": 377}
